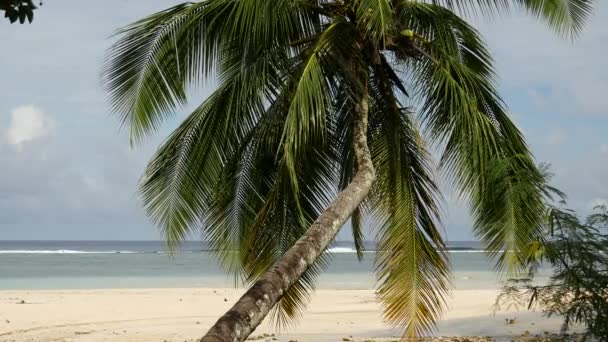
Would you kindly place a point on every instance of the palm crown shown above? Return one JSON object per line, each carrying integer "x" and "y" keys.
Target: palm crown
{"x": 258, "y": 161}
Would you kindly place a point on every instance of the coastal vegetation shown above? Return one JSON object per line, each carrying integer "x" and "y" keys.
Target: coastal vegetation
{"x": 577, "y": 289}
{"x": 324, "y": 112}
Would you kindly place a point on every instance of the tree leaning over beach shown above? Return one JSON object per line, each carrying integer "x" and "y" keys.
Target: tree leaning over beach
{"x": 326, "y": 111}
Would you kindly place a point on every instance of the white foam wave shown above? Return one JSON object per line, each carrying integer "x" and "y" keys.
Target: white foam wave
{"x": 63, "y": 251}
{"x": 341, "y": 250}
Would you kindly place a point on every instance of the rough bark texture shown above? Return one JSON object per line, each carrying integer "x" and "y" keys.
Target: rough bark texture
{"x": 240, "y": 321}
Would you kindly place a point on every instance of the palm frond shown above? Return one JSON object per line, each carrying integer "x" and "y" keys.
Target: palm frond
{"x": 411, "y": 263}
{"x": 156, "y": 58}
{"x": 257, "y": 215}
{"x": 179, "y": 183}
{"x": 462, "y": 110}
{"x": 472, "y": 7}
{"x": 377, "y": 18}
{"x": 149, "y": 67}
{"x": 508, "y": 214}
{"x": 564, "y": 16}
{"x": 177, "y": 186}
{"x": 326, "y": 63}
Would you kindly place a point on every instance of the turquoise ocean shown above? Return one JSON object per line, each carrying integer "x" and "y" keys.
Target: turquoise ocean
{"x": 146, "y": 264}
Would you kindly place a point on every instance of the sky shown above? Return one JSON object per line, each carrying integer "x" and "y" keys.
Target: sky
{"x": 67, "y": 171}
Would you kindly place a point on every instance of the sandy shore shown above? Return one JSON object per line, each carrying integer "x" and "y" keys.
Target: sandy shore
{"x": 184, "y": 314}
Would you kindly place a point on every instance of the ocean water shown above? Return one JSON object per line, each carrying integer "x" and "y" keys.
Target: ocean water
{"x": 146, "y": 264}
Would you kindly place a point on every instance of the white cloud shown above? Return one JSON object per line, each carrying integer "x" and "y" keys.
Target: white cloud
{"x": 558, "y": 74}
{"x": 28, "y": 123}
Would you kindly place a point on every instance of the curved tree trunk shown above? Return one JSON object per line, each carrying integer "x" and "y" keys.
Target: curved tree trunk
{"x": 242, "y": 319}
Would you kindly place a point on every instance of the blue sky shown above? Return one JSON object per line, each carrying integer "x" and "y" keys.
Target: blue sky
{"x": 67, "y": 170}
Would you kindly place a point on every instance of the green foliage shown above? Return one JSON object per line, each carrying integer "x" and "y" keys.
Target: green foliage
{"x": 577, "y": 288}
{"x": 18, "y": 10}
{"x": 257, "y": 162}
{"x": 564, "y": 16}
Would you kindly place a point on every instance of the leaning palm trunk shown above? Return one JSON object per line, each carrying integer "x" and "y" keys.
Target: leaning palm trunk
{"x": 242, "y": 319}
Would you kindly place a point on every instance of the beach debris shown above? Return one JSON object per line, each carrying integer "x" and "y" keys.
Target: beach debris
{"x": 225, "y": 299}
{"x": 21, "y": 301}
{"x": 82, "y": 332}
{"x": 510, "y": 321}
{"x": 197, "y": 322}
{"x": 7, "y": 321}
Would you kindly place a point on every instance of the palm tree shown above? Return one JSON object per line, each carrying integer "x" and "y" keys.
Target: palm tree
{"x": 325, "y": 111}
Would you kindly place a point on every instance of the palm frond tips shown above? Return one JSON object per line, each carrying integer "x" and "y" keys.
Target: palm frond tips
{"x": 567, "y": 17}
{"x": 509, "y": 217}
{"x": 564, "y": 16}
{"x": 475, "y": 7}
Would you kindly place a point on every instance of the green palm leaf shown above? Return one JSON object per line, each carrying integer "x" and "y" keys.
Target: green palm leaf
{"x": 411, "y": 265}
{"x": 461, "y": 108}
{"x": 564, "y": 16}
{"x": 326, "y": 63}
{"x": 149, "y": 67}
{"x": 256, "y": 217}
{"x": 377, "y": 18}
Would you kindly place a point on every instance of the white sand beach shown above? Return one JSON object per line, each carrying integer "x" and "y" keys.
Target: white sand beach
{"x": 184, "y": 314}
